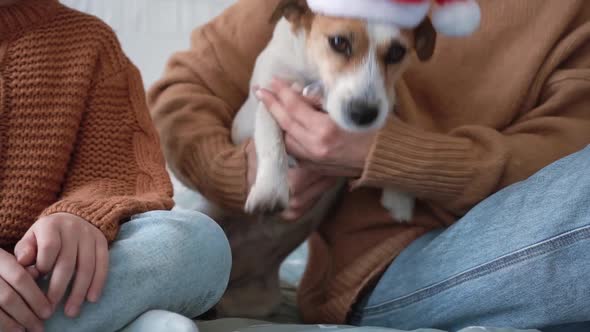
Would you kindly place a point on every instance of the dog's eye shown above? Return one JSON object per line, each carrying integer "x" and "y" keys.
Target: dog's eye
{"x": 395, "y": 54}
{"x": 341, "y": 45}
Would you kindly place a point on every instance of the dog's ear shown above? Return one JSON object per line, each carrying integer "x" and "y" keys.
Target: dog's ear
{"x": 425, "y": 40}
{"x": 292, "y": 10}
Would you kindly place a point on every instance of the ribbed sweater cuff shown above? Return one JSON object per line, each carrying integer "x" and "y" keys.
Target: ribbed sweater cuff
{"x": 105, "y": 215}
{"x": 428, "y": 165}
{"x": 226, "y": 181}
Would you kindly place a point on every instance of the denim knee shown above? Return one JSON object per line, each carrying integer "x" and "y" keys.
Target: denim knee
{"x": 195, "y": 255}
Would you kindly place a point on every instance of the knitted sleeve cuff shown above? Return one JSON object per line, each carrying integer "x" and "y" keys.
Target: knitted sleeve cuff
{"x": 218, "y": 170}
{"x": 428, "y": 165}
{"x": 101, "y": 215}
{"x": 108, "y": 214}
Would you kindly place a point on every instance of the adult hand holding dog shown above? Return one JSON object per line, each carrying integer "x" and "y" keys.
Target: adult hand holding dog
{"x": 312, "y": 137}
{"x": 66, "y": 245}
{"x": 306, "y": 186}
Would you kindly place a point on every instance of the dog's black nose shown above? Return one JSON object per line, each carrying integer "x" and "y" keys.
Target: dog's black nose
{"x": 363, "y": 114}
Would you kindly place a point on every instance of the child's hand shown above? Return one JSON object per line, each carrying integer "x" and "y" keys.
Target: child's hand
{"x": 22, "y": 303}
{"x": 64, "y": 245}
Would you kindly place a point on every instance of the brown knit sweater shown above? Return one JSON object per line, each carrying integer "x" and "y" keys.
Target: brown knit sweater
{"x": 75, "y": 132}
{"x": 486, "y": 112}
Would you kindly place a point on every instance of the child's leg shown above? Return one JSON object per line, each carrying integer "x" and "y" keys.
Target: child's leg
{"x": 175, "y": 261}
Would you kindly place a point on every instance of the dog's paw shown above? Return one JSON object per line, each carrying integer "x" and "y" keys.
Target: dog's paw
{"x": 270, "y": 195}
{"x": 402, "y": 213}
{"x": 400, "y": 205}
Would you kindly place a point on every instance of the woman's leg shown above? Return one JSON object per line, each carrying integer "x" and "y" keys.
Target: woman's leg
{"x": 518, "y": 259}
{"x": 174, "y": 261}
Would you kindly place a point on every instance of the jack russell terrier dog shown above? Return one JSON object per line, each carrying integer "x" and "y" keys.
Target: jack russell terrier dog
{"x": 357, "y": 63}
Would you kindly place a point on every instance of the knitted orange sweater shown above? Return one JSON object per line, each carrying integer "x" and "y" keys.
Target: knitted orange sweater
{"x": 487, "y": 111}
{"x": 75, "y": 133}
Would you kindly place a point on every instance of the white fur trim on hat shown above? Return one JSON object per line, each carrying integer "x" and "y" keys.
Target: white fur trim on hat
{"x": 457, "y": 18}
{"x": 406, "y": 15}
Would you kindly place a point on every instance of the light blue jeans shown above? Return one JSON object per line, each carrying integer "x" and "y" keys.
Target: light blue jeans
{"x": 519, "y": 259}
{"x": 174, "y": 261}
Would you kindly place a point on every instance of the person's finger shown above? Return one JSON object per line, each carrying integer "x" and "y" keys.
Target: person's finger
{"x": 279, "y": 113}
{"x": 314, "y": 94}
{"x": 25, "y": 250}
{"x": 101, "y": 270}
{"x": 48, "y": 247}
{"x": 304, "y": 202}
{"x": 63, "y": 271}
{"x": 14, "y": 306}
{"x": 85, "y": 266}
{"x": 33, "y": 272}
{"x": 301, "y": 179}
{"x": 8, "y": 324}
{"x": 25, "y": 287}
{"x": 295, "y": 86}
{"x": 297, "y": 149}
{"x": 298, "y": 106}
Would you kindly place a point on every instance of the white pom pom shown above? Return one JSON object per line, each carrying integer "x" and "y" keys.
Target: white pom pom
{"x": 403, "y": 14}
{"x": 457, "y": 18}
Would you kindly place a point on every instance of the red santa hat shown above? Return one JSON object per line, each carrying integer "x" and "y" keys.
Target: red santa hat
{"x": 449, "y": 17}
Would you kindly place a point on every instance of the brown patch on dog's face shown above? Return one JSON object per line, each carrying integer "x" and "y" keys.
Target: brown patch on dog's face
{"x": 359, "y": 63}
{"x": 337, "y": 45}
{"x": 341, "y": 45}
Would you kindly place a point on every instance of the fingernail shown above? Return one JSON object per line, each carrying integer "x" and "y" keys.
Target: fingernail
{"x": 259, "y": 94}
{"x": 20, "y": 253}
{"x": 92, "y": 298}
{"x": 72, "y": 311}
{"x": 46, "y": 313}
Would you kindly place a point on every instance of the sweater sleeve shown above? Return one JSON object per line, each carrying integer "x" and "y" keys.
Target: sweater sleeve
{"x": 195, "y": 102}
{"x": 457, "y": 170}
{"x": 116, "y": 169}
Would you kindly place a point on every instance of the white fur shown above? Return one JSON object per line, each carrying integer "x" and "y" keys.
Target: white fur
{"x": 284, "y": 57}
{"x": 380, "y": 33}
{"x": 287, "y": 56}
{"x": 364, "y": 83}
{"x": 400, "y": 205}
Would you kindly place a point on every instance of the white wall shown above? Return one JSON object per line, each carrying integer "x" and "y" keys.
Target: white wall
{"x": 151, "y": 30}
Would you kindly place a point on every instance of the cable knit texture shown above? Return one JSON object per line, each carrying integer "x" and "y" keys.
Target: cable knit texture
{"x": 485, "y": 112}
{"x": 75, "y": 133}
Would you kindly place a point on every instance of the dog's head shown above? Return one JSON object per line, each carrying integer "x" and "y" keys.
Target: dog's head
{"x": 357, "y": 61}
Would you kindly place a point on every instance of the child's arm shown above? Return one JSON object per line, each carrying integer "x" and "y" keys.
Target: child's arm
{"x": 116, "y": 170}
